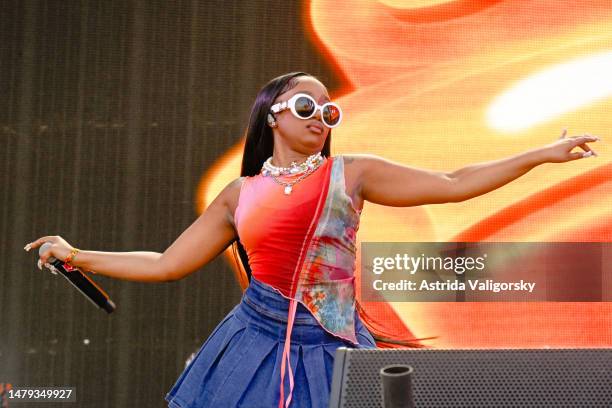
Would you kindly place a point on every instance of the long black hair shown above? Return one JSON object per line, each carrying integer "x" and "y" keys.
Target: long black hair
{"x": 258, "y": 147}
{"x": 259, "y": 143}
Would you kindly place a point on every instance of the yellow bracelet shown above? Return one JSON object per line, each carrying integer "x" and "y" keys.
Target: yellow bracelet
{"x": 72, "y": 254}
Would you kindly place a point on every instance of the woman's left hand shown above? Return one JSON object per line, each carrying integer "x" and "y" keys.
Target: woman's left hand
{"x": 561, "y": 150}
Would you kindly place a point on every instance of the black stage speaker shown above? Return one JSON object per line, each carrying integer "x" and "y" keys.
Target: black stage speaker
{"x": 478, "y": 377}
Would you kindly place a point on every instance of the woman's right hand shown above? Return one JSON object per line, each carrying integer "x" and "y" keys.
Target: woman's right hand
{"x": 59, "y": 249}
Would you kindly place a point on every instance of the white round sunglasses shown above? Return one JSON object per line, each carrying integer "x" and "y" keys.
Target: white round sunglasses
{"x": 303, "y": 106}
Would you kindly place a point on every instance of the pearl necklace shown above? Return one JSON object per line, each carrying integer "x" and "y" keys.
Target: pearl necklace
{"x": 304, "y": 169}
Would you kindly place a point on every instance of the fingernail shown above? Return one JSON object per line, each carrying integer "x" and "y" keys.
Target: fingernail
{"x": 587, "y": 154}
{"x": 39, "y": 265}
{"x": 27, "y": 247}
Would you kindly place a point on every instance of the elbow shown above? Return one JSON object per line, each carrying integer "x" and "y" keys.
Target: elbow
{"x": 170, "y": 276}
{"x": 164, "y": 273}
{"x": 455, "y": 191}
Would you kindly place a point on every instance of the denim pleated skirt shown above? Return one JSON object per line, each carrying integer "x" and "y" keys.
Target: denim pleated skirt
{"x": 239, "y": 364}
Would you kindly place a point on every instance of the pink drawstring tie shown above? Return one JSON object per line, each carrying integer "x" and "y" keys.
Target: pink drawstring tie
{"x": 286, "y": 354}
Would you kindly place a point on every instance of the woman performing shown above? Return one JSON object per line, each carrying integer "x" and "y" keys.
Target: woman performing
{"x": 293, "y": 217}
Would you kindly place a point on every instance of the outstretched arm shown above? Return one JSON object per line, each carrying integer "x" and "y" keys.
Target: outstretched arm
{"x": 206, "y": 238}
{"x": 388, "y": 183}
{"x": 478, "y": 179}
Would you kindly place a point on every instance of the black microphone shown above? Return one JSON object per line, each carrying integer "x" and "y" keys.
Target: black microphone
{"x": 79, "y": 280}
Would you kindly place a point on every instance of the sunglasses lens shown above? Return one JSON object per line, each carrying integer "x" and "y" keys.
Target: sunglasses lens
{"x": 304, "y": 107}
{"x": 331, "y": 115}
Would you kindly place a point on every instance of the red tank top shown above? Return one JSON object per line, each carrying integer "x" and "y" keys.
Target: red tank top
{"x": 277, "y": 233}
{"x": 272, "y": 225}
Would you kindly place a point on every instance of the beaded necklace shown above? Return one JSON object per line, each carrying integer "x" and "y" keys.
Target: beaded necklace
{"x": 302, "y": 169}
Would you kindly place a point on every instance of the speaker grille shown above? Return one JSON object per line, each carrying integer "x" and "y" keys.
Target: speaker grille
{"x": 486, "y": 378}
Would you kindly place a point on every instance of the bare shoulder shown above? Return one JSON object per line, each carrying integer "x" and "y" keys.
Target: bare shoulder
{"x": 354, "y": 169}
{"x": 360, "y": 163}
{"x": 358, "y": 159}
{"x": 230, "y": 195}
{"x": 355, "y": 164}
